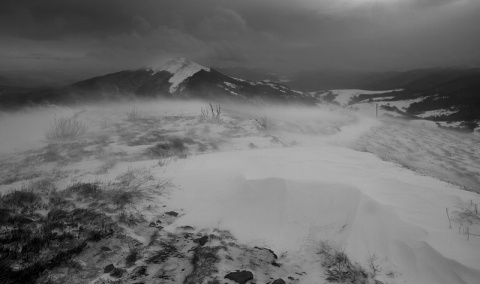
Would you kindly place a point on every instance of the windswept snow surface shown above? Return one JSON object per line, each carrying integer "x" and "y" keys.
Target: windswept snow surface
{"x": 290, "y": 199}
{"x": 438, "y": 112}
{"x": 420, "y": 145}
{"x": 287, "y": 199}
{"x": 377, "y": 189}
{"x": 181, "y": 69}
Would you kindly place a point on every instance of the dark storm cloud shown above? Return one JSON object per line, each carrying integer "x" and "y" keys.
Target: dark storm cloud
{"x": 274, "y": 34}
{"x": 55, "y": 19}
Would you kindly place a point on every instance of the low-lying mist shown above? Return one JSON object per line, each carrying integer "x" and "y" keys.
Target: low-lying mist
{"x": 26, "y": 129}
{"x": 447, "y": 155}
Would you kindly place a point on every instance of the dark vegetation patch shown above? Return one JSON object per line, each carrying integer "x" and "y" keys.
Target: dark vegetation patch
{"x": 41, "y": 228}
{"x": 132, "y": 256}
{"x": 204, "y": 266}
{"x": 168, "y": 249}
{"x": 339, "y": 268}
{"x": 172, "y": 147}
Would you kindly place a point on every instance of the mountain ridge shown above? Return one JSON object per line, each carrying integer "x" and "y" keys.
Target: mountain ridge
{"x": 441, "y": 94}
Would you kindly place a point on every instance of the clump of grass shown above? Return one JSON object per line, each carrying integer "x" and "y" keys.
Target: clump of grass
{"x": 122, "y": 197}
{"x": 204, "y": 266}
{"x": 263, "y": 122}
{"x": 51, "y": 154}
{"x": 211, "y": 113}
{"x": 32, "y": 243}
{"x": 126, "y": 189}
{"x": 174, "y": 147}
{"x": 131, "y": 219}
{"x": 466, "y": 215}
{"x": 339, "y": 268}
{"x": 134, "y": 115}
{"x": 65, "y": 128}
{"x": 23, "y": 200}
{"x": 85, "y": 190}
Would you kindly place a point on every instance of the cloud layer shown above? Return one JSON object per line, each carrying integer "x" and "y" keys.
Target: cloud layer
{"x": 282, "y": 35}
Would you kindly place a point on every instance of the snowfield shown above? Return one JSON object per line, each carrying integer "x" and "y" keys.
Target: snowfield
{"x": 181, "y": 70}
{"x": 343, "y": 97}
{"x": 439, "y": 112}
{"x": 392, "y": 195}
{"x": 289, "y": 199}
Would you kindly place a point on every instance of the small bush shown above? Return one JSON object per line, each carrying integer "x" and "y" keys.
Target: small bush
{"x": 23, "y": 199}
{"x": 130, "y": 219}
{"x": 85, "y": 190}
{"x": 263, "y": 122}
{"x": 466, "y": 215}
{"x": 122, "y": 197}
{"x": 134, "y": 115}
{"x": 65, "y": 128}
{"x": 211, "y": 113}
{"x": 174, "y": 147}
{"x": 339, "y": 268}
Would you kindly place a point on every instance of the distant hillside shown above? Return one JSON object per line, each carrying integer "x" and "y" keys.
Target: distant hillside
{"x": 449, "y": 96}
{"x": 178, "y": 78}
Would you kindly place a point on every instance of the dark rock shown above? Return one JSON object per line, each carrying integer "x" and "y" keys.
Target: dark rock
{"x": 201, "y": 241}
{"x": 291, "y": 278}
{"x": 152, "y": 224}
{"x": 172, "y": 213}
{"x": 240, "y": 277}
{"x": 271, "y": 251}
{"x": 158, "y": 222}
{"x": 117, "y": 273}
{"x": 109, "y": 268}
{"x": 278, "y": 281}
{"x": 105, "y": 249}
{"x": 274, "y": 263}
{"x": 159, "y": 227}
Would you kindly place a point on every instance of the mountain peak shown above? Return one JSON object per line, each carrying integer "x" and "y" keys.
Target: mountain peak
{"x": 181, "y": 68}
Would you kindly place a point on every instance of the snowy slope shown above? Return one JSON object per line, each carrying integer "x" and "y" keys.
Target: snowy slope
{"x": 397, "y": 103}
{"x": 438, "y": 112}
{"x": 343, "y": 97}
{"x": 268, "y": 192}
{"x": 289, "y": 199}
{"x": 181, "y": 69}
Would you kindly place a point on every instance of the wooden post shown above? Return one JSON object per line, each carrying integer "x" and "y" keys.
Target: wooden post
{"x": 446, "y": 209}
{"x": 376, "y": 110}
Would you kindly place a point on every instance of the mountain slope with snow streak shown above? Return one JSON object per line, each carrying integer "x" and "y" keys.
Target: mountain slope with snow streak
{"x": 181, "y": 69}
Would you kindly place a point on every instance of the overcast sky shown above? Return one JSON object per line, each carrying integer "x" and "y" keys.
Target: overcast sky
{"x": 283, "y": 35}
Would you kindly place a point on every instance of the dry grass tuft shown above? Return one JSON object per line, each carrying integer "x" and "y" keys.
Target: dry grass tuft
{"x": 339, "y": 268}
{"x": 65, "y": 128}
{"x": 134, "y": 115}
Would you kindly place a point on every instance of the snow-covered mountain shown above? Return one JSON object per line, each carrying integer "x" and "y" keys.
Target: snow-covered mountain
{"x": 181, "y": 68}
{"x": 182, "y": 78}
{"x": 449, "y": 97}
{"x": 178, "y": 78}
